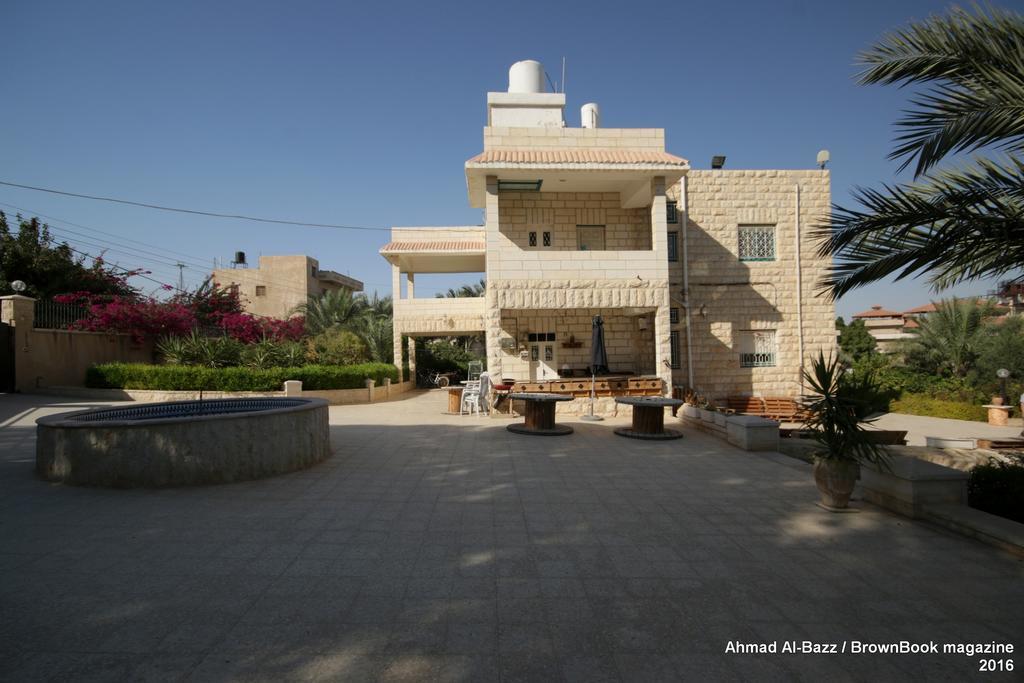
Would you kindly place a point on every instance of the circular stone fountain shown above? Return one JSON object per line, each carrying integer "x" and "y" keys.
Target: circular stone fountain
{"x": 183, "y": 442}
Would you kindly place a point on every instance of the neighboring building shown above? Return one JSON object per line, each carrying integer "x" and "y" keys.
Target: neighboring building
{"x": 889, "y": 328}
{"x": 587, "y": 221}
{"x": 281, "y": 283}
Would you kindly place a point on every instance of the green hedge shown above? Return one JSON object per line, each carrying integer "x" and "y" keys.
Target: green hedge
{"x": 919, "y": 404}
{"x": 195, "y": 378}
{"x": 998, "y": 488}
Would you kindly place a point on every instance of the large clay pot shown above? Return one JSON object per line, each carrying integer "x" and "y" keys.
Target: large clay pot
{"x": 835, "y": 480}
{"x": 997, "y": 400}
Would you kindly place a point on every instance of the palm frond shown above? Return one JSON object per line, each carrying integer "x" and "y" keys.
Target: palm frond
{"x": 956, "y": 225}
{"x": 977, "y": 61}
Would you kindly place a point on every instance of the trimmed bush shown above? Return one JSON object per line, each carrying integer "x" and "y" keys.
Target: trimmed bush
{"x": 196, "y": 378}
{"x": 998, "y": 488}
{"x": 918, "y": 404}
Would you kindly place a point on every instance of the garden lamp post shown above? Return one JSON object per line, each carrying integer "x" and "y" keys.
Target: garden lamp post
{"x": 18, "y": 286}
{"x": 1002, "y": 374}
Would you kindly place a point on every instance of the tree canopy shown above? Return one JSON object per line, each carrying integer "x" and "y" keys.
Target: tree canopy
{"x": 49, "y": 267}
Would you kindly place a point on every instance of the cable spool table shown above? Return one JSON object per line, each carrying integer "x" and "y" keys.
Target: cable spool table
{"x": 540, "y": 415}
{"x": 648, "y": 417}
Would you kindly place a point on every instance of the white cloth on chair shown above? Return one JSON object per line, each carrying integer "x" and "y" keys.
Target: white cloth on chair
{"x": 485, "y": 391}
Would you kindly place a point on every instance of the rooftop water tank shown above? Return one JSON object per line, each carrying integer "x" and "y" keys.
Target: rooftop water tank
{"x": 590, "y": 115}
{"x": 526, "y": 76}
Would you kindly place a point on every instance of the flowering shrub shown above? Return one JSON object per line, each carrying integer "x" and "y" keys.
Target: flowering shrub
{"x": 208, "y": 308}
{"x": 249, "y": 329}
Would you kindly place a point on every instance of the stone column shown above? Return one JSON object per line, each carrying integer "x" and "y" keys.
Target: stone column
{"x": 396, "y": 329}
{"x": 20, "y": 313}
{"x": 662, "y": 327}
{"x": 492, "y": 312}
{"x": 412, "y": 358}
{"x": 410, "y": 285}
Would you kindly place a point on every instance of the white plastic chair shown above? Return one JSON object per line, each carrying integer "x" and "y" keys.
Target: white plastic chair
{"x": 474, "y": 369}
{"x": 470, "y": 398}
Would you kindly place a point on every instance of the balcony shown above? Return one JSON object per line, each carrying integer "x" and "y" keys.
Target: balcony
{"x": 456, "y": 315}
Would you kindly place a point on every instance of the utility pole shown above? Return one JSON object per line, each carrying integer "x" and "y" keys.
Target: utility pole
{"x": 181, "y": 276}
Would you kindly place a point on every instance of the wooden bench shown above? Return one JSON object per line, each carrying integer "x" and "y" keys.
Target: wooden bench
{"x": 746, "y": 405}
{"x": 783, "y": 409}
{"x": 884, "y": 437}
{"x": 1001, "y": 444}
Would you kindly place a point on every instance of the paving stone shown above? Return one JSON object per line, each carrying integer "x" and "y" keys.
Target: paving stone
{"x": 434, "y": 547}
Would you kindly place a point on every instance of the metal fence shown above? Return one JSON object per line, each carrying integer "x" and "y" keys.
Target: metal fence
{"x": 51, "y": 315}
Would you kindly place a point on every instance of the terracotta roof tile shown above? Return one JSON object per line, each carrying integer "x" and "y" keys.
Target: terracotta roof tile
{"x": 577, "y": 156}
{"x": 927, "y": 308}
{"x": 442, "y": 246}
{"x": 878, "y": 312}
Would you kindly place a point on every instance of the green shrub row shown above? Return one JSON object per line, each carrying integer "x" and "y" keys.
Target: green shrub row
{"x": 919, "y": 404}
{"x": 196, "y": 378}
{"x": 998, "y": 488}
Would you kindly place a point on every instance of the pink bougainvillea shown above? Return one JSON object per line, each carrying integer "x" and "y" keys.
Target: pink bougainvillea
{"x": 207, "y": 309}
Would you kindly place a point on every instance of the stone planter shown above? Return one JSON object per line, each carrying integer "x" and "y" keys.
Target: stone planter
{"x": 691, "y": 411}
{"x": 720, "y": 419}
{"x": 707, "y": 415}
{"x": 835, "y": 480}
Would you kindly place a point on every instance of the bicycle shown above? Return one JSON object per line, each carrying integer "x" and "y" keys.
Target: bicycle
{"x": 435, "y": 379}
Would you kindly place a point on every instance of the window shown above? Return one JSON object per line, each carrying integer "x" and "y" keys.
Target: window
{"x": 757, "y": 349}
{"x": 673, "y": 343}
{"x": 261, "y": 290}
{"x": 540, "y": 336}
{"x": 533, "y": 239}
{"x": 547, "y": 239}
{"x": 590, "y": 237}
{"x": 673, "y": 316}
{"x": 757, "y": 243}
{"x": 312, "y": 271}
{"x": 671, "y": 212}
{"x": 673, "y": 246}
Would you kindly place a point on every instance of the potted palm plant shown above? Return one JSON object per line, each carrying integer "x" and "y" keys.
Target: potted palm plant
{"x": 836, "y": 417}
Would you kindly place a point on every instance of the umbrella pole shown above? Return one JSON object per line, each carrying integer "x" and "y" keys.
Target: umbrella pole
{"x": 593, "y": 397}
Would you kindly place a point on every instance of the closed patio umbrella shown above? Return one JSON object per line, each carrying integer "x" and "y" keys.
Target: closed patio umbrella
{"x": 598, "y": 354}
{"x": 598, "y": 363}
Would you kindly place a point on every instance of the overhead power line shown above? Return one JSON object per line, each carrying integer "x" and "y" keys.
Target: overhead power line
{"x": 192, "y": 211}
{"x": 26, "y": 212}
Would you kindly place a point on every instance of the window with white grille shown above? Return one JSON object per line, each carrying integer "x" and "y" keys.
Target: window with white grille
{"x": 673, "y": 345}
{"x": 757, "y": 348}
{"x": 757, "y": 243}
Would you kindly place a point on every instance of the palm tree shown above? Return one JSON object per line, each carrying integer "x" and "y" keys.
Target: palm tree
{"x": 474, "y": 290}
{"x": 338, "y": 309}
{"x": 375, "y": 327}
{"x": 960, "y": 223}
{"x": 947, "y": 339}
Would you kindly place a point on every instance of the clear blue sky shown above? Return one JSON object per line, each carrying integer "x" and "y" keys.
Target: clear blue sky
{"x": 363, "y": 113}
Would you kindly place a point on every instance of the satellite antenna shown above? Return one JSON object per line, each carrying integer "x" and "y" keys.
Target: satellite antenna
{"x": 823, "y": 158}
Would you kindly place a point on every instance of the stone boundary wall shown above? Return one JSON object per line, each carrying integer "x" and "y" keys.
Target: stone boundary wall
{"x": 45, "y": 357}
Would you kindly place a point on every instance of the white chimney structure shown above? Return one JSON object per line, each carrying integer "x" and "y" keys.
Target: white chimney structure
{"x": 526, "y": 105}
{"x": 590, "y": 115}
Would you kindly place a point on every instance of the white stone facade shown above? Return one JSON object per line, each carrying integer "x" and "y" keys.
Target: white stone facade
{"x": 576, "y": 224}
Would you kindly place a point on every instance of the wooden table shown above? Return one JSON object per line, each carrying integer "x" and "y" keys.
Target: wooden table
{"x": 540, "y": 415}
{"x": 648, "y": 417}
{"x": 455, "y": 399}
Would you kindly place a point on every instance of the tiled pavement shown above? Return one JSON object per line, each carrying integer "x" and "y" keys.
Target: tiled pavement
{"x": 435, "y": 547}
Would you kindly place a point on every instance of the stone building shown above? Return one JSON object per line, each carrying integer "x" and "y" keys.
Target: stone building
{"x": 281, "y": 283}
{"x": 704, "y": 278}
